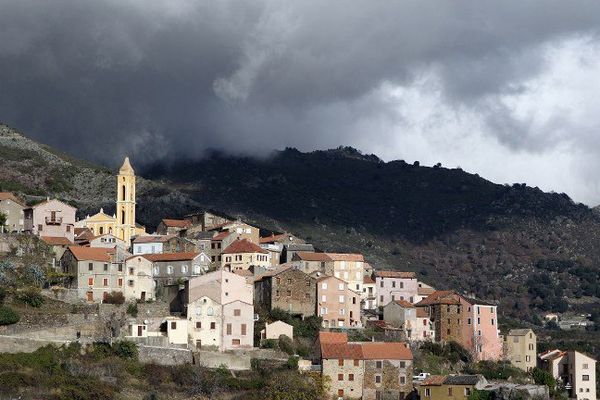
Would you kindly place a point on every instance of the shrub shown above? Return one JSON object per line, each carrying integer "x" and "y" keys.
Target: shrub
{"x": 8, "y": 316}
{"x": 126, "y": 349}
{"x": 114, "y": 298}
{"x": 269, "y": 344}
{"x": 132, "y": 309}
{"x": 286, "y": 344}
{"x": 2, "y": 295}
{"x": 292, "y": 363}
{"x": 30, "y": 296}
{"x": 541, "y": 377}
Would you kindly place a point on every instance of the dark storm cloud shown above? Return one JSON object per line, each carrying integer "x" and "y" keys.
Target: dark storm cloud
{"x": 173, "y": 78}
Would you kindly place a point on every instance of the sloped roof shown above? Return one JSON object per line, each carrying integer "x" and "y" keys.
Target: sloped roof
{"x": 90, "y": 253}
{"x": 333, "y": 337}
{"x": 176, "y": 223}
{"x": 345, "y": 257}
{"x": 56, "y": 240}
{"x": 276, "y": 271}
{"x": 434, "y": 380}
{"x": 422, "y": 312}
{"x": 396, "y": 274}
{"x": 404, "y": 303}
{"x": 244, "y": 246}
{"x": 222, "y": 235}
{"x": 312, "y": 256}
{"x": 10, "y": 196}
{"x": 386, "y": 351}
{"x": 153, "y": 238}
{"x": 425, "y": 291}
{"x": 440, "y": 297}
{"x": 519, "y": 332}
{"x": 126, "y": 168}
{"x": 273, "y": 238}
{"x": 368, "y": 280}
{"x": 171, "y": 256}
{"x": 344, "y": 351}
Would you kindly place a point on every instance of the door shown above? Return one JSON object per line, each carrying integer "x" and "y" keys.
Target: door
{"x": 143, "y": 296}
{"x": 140, "y": 329}
{"x": 198, "y": 343}
{"x": 90, "y": 296}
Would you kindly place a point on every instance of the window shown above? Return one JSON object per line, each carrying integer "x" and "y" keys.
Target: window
{"x": 340, "y": 377}
{"x": 402, "y": 364}
{"x": 212, "y": 325}
{"x": 340, "y": 392}
{"x": 106, "y": 267}
{"x": 342, "y": 311}
{"x": 90, "y": 266}
{"x": 340, "y": 362}
{"x": 583, "y": 366}
{"x": 40, "y": 227}
{"x": 173, "y": 325}
{"x": 427, "y": 392}
{"x": 235, "y": 342}
{"x": 323, "y": 310}
{"x": 467, "y": 391}
{"x": 91, "y": 281}
{"x": 184, "y": 269}
{"x": 342, "y": 299}
{"x": 378, "y": 364}
{"x": 229, "y": 329}
{"x": 492, "y": 321}
{"x": 131, "y": 283}
{"x": 527, "y": 358}
{"x": 393, "y": 284}
{"x": 198, "y": 325}
{"x": 449, "y": 391}
{"x": 289, "y": 281}
{"x": 237, "y": 312}
{"x": 381, "y": 283}
{"x": 393, "y": 297}
{"x": 120, "y": 267}
{"x": 105, "y": 282}
{"x": 120, "y": 282}
{"x": 469, "y": 323}
{"x": 243, "y": 329}
{"x": 402, "y": 380}
{"x": 169, "y": 270}
{"x": 356, "y": 363}
{"x": 289, "y": 293}
{"x": 531, "y": 348}
{"x": 377, "y": 378}
{"x": 340, "y": 286}
{"x": 381, "y": 299}
{"x": 323, "y": 298}
{"x": 585, "y": 377}
{"x": 209, "y": 311}
{"x": 198, "y": 310}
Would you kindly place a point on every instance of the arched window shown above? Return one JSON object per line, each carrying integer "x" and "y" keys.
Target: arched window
{"x": 123, "y": 192}
{"x": 102, "y": 230}
{"x": 210, "y": 311}
{"x": 123, "y": 216}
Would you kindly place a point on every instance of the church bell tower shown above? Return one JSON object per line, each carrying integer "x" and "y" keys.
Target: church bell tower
{"x": 125, "y": 202}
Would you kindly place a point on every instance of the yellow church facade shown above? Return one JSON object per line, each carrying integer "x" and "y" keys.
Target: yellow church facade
{"x": 122, "y": 224}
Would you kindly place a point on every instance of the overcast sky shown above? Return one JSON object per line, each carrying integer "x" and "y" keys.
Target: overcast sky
{"x": 506, "y": 89}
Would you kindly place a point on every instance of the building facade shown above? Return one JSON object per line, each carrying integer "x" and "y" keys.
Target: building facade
{"x": 288, "y": 289}
{"x": 573, "y": 370}
{"x": 337, "y": 304}
{"x": 520, "y": 348}
{"x": 12, "y": 208}
{"x": 50, "y": 218}
{"x": 395, "y": 285}
{"x": 349, "y": 267}
{"x": 244, "y": 255}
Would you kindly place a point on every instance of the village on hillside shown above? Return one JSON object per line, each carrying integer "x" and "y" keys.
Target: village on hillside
{"x": 217, "y": 291}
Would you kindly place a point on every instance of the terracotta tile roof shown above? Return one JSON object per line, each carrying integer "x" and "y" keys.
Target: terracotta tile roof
{"x": 276, "y": 271}
{"x": 422, "y": 312}
{"x": 170, "y": 256}
{"x": 84, "y": 234}
{"x": 368, "y": 280}
{"x": 312, "y": 256}
{"x": 425, "y": 291}
{"x": 434, "y": 380}
{"x": 404, "y": 303}
{"x": 176, "y": 223}
{"x": 10, "y": 196}
{"x": 90, "y": 253}
{"x": 344, "y": 351}
{"x": 346, "y": 257}
{"x": 222, "y": 235}
{"x": 56, "y": 241}
{"x": 396, "y": 274}
{"x": 386, "y": 351}
{"x": 153, "y": 238}
{"x": 272, "y": 238}
{"x": 243, "y": 272}
{"x": 244, "y": 246}
{"x": 333, "y": 337}
{"x": 440, "y": 297}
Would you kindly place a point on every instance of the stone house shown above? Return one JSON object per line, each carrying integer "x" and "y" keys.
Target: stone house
{"x": 173, "y": 226}
{"x": 414, "y": 321}
{"x": 369, "y": 293}
{"x": 175, "y": 268}
{"x": 520, "y": 348}
{"x": 470, "y": 322}
{"x": 450, "y": 387}
{"x": 573, "y": 370}
{"x": 276, "y": 329}
{"x": 337, "y": 304}
{"x": 367, "y": 370}
{"x": 274, "y": 250}
{"x": 12, "y": 208}
{"x": 423, "y": 290}
{"x": 218, "y": 243}
{"x": 96, "y": 272}
{"x": 244, "y": 255}
{"x": 310, "y": 262}
{"x": 349, "y": 267}
{"x": 139, "y": 282}
{"x": 202, "y": 241}
{"x": 59, "y": 245}
{"x": 220, "y": 311}
{"x": 288, "y": 289}
{"x": 395, "y": 285}
{"x": 291, "y": 249}
{"x": 50, "y": 218}
{"x": 206, "y": 220}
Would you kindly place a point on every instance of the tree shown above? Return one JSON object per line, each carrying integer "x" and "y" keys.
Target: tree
{"x": 2, "y": 221}
{"x": 541, "y": 377}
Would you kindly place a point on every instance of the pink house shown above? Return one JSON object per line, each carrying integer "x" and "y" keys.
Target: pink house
{"x": 480, "y": 327}
{"x": 50, "y": 218}
{"x": 395, "y": 285}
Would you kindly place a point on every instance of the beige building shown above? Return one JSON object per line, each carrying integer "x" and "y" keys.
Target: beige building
{"x": 337, "y": 304}
{"x": 310, "y": 262}
{"x": 414, "y": 321}
{"x": 12, "y": 208}
{"x": 349, "y": 267}
{"x": 573, "y": 370}
{"x": 276, "y": 329}
{"x": 109, "y": 241}
{"x": 520, "y": 348}
{"x": 244, "y": 255}
{"x": 139, "y": 282}
{"x": 50, "y": 218}
{"x": 369, "y": 293}
{"x": 220, "y": 311}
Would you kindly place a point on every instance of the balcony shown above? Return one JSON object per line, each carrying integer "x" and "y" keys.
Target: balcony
{"x": 54, "y": 221}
